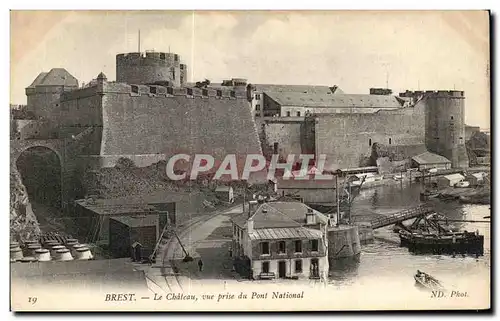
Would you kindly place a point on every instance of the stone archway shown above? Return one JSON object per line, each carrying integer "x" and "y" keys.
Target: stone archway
{"x": 41, "y": 173}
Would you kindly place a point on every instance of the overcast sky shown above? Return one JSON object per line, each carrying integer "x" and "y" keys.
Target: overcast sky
{"x": 354, "y": 50}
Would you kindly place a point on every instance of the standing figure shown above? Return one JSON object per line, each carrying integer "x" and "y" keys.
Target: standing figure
{"x": 200, "y": 264}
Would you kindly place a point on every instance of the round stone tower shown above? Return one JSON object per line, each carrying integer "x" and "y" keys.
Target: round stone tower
{"x": 148, "y": 68}
{"x": 445, "y": 126}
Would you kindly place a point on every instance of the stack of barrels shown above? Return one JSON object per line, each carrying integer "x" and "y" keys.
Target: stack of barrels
{"x": 42, "y": 250}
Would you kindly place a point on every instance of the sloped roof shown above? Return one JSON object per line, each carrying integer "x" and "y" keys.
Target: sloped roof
{"x": 138, "y": 221}
{"x": 334, "y": 101}
{"x": 283, "y": 214}
{"x": 278, "y": 215}
{"x": 38, "y": 80}
{"x": 306, "y": 184}
{"x": 240, "y": 219}
{"x": 55, "y": 77}
{"x": 285, "y": 233}
{"x": 298, "y": 89}
{"x": 453, "y": 177}
{"x": 479, "y": 175}
{"x": 430, "y": 158}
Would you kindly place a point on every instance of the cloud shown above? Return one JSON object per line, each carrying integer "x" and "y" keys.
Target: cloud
{"x": 355, "y": 50}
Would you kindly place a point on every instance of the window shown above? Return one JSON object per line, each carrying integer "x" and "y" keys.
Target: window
{"x": 298, "y": 266}
{"x": 257, "y": 115}
{"x": 257, "y": 96}
{"x": 370, "y": 141}
{"x": 170, "y": 90}
{"x": 314, "y": 268}
{"x": 204, "y": 92}
{"x": 265, "y": 267}
{"x": 219, "y": 93}
{"x": 135, "y": 89}
{"x": 390, "y": 141}
{"x": 235, "y": 230}
{"x": 298, "y": 114}
{"x": 287, "y": 114}
{"x": 233, "y": 94}
{"x": 314, "y": 245}
{"x": 190, "y": 91}
{"x": 265, "y": 247}
{"x": 281, "y": 247}
{"x": 298, "y": 246}
{"x": 162, "y": 56}
{"x": 275, "y": 148}
{"x": 152, "y": 90}
{"x": 257, "y": 107}
{"x": 176, "y": 57}
{"x": 451, "y": 117}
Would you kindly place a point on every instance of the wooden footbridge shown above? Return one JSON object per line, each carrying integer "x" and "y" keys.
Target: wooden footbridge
{"x": 399, "y": 217}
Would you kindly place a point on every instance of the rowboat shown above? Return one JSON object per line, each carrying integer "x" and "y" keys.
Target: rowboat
{"x": 427, "y": 282}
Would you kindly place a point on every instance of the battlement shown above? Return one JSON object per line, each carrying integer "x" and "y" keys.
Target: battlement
{"x": 154, "y": 90}
{"x": 149, "y": 58}
{"x": 434, "y": 93}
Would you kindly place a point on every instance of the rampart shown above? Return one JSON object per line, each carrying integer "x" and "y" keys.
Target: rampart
{"x": 148, "y": 120}
{"x": 347, "y": 139}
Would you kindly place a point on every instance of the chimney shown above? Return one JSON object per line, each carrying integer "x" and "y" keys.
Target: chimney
{"x": 251, "y": 207}
{"x": 310, "y": 217}
{"x": 250, "y": 226}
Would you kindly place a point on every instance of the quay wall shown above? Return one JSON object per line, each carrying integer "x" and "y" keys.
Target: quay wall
{"x": 343, "y": 242}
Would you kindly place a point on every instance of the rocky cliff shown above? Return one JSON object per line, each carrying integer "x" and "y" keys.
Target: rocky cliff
{"x": 23, "y": 223}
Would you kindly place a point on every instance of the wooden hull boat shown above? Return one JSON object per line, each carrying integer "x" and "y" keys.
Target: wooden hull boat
{"x": 427, "y": 282}
{"x": 428, "y": 195}
{"x": 449, "y": 243}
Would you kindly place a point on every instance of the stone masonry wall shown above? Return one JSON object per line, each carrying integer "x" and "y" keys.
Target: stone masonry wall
{"x": 163, "y": 124}
{"x": 346, "y": 139}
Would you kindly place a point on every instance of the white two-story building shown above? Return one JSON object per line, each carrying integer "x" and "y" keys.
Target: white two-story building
{"x": 280, "y": 240}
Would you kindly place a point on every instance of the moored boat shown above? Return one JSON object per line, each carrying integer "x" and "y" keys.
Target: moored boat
{"x": 427, "y": 194}
{"x": 443, "y": 243}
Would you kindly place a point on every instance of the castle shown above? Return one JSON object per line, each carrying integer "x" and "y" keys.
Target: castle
{"x": 151, "y": 112}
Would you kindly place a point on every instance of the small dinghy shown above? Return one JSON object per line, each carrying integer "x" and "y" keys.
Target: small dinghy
{"x": 427, "y": 282}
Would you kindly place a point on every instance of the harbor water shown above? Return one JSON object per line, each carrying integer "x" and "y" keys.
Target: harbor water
{"x": 384, "y": 259}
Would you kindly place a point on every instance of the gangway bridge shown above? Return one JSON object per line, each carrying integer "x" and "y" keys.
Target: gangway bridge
{"x": 402, "y": 216}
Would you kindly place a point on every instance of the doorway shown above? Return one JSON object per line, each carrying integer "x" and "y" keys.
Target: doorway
{"x": 281, "y": 269}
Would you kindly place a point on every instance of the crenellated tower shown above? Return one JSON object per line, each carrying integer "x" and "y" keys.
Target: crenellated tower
{"x": 150, "y": 67}
{"x": 444, "y": 123}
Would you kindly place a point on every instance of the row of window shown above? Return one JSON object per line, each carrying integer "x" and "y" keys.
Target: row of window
{"x": 266, "y": 250}
{"x": 189, "y": 91}
{"x": 297, "y": 265}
